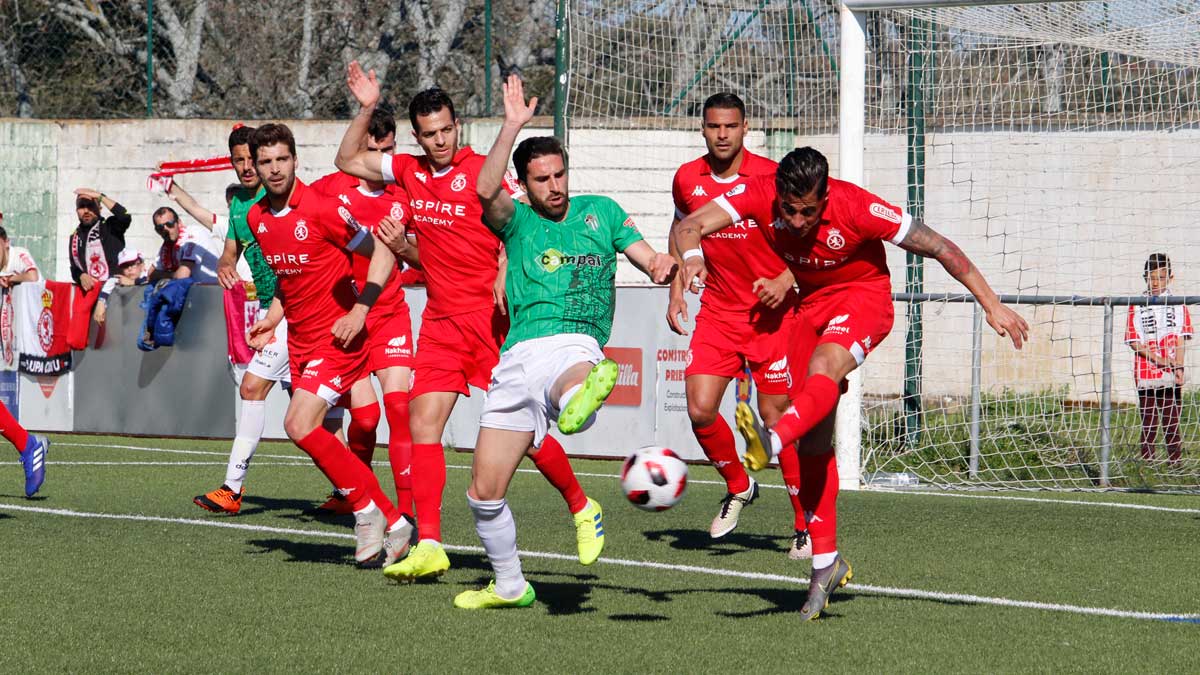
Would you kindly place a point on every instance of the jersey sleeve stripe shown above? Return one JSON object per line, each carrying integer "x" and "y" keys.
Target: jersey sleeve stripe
{"x": 727, "y": 208}
{"x": 357, "y": 240}
{"x": 905, "y": 226}
{"x": 387, "y": 169}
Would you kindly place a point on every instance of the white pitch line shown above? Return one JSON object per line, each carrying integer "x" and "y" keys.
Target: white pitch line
{"x": 693, "y": 569}
{"x": 70, "y": 463}
{"x": 772, "y": 486}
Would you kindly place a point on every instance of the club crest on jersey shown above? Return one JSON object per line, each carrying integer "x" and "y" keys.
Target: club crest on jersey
{"x": 835, "y": 240}
{"x": 698, "y": 191}
{"x": 880, "y": 211}
{"x": 420, "y": 176}
{"x": 459, "y": 182}
{"x": 397, "y": 211}
{"x": 301, "y": 230}
{"x": 591, "y": 222}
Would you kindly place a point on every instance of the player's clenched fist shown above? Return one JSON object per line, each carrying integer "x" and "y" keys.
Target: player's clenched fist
{"x": 349, "y": 326}
{"x": 661, "y": 268}
{"x": 771, "y": 292}
{"x": 393, "y": 234}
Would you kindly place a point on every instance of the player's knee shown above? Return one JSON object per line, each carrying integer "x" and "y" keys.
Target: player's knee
{"x": 254, "y": 389}
{"x": 485, "y": 491}
{"x": 701, "y": 414}
{"x": 297, "y": 428}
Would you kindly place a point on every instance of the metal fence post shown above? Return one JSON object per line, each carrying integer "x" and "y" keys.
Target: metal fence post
{"x": 149, "y": 58}
{"x": 487, "y": 58}
{"x": 976, "y": 385}
{"x": 1106, "y": 395}
{"x": 561, "y": 69}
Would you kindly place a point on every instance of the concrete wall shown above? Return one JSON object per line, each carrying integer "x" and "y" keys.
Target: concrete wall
{"x": 1040, "y": 213}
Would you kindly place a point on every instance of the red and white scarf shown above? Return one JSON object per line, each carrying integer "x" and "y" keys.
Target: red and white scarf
{"x": 96, "y": 261}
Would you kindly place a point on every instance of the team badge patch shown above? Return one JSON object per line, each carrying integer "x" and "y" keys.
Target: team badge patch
{"x": 397, "y": 212}
{"x": 591, "y": 222}
{"x": 302, "y": 230}
{"x": 835, "y": 240}
{"x": 459, "y": 182}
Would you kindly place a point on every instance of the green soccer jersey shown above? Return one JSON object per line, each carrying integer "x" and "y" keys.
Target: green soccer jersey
{"x": 562, "y": 275}
{"x": 239, "y": 230}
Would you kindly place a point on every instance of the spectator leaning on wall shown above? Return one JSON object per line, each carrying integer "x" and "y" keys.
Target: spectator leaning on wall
{"x": 131, "y": 271}
{"x": 16, "y": 265}
{"x": 185, "y": 251}
{"x": 94, "y": 247}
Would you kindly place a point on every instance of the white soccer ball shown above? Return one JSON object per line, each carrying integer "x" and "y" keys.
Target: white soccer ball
{"x": 654, "y": 478}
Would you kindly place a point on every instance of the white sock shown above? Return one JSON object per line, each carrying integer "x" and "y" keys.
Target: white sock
{"x": 498, "y": 531}
{"x": 823, "y": 560}
{"x": 776, "y": 445}
{"x": 249, "y": 430}
{"x": 366, "y": 509}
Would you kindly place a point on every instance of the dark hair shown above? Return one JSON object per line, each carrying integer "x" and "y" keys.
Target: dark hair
{"x": 271, "y": 134}
{"x": 240, "y": 136}
{"x": 382, "y": 124}
{"x": 724, "y": 100}
{"x": 802, "y": 171}
{"x": 231, "y": 190}
{"x": 1157, "y": 261}
{"x": 428, "y": 102}
{"x": 532, "y": 148}
{"x": 162, "y": 211}
{"x": 3, "y": 233}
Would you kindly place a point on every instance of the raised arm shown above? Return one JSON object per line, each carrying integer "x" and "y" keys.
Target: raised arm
{"x": 922, "y": 240}
{"x": 686, "y": 235}
{"x": 352, "y": 155}
{"x": 188, "y": 203}
{"x": 497, "y": 204}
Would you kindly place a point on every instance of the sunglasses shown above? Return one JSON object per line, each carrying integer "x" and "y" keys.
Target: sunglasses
{"x": 159, "y": 227}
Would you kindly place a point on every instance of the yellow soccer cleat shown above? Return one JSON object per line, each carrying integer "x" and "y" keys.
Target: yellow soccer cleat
{"x": 757, "y": 458}
{"x": 598, "y": 385}
{"x": 589, "y": 532}
{"x": 427, "y": 561}
{"x": 488, "y": 599}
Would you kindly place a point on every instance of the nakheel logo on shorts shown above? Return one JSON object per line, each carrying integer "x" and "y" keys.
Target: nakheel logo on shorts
{"x": 397, "y": 346}
{"x": 835, "y": 325}
{"x": 628, "y": 390}
{"x": 887, "y": 213}
{"x": 779, "y": 372}
{"x": 310, "y": 368}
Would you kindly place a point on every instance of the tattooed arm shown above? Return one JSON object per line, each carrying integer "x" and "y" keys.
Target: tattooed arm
{"x": 922, "y": 240}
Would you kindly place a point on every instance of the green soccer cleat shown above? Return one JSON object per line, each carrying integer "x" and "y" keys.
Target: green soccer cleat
{"x": 757, "y": 456}
{"x": 487, "y": 598}
{"x": 426, "y": 561}
{"x": 589, "y": 532}
{"x": 598, "y": 385}
{"x": 822, "y": 585}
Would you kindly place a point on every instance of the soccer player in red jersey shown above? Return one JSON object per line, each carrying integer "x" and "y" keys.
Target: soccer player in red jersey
{"x": 831, "y": 233}
{"x": 305, "y": 239}
{"x": 389, "y": 324}
{"x": 744, "y": 313}
{"x": 464, "y": 322}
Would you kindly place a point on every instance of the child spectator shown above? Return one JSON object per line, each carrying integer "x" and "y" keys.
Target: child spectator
{"x": 131, "y": 271}
{"x": 1157, "y": 335}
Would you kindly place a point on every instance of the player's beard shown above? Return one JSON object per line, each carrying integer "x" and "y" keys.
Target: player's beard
{"x": 553, "y": 212}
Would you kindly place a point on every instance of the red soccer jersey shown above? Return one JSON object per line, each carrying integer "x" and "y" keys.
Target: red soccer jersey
{"x": 306, "y": 246}
{"x": 1161, "y": 329}
{"x": 846, "y": 245}
{"x": 738, "y": 255}
{"x": 357, "y": 206}
{"x": 460, "y": 254}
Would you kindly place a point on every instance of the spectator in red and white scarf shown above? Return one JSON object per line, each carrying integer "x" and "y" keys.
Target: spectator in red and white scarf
{"x": 185, "y": 252}
{"x": 97, "y": 241}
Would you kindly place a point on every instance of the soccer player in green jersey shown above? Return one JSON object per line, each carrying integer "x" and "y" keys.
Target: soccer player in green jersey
{"x": 562, "y": 261}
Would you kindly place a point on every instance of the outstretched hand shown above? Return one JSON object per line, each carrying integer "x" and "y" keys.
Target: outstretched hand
{"x": 1008, "y": 323}
{"x": 516, "y": 110}
{"x": 363, "y": 85}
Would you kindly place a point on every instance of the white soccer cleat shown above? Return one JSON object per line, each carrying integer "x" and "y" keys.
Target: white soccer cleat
{"x": 731, "y": 509}
{"x": 369, "y": 530}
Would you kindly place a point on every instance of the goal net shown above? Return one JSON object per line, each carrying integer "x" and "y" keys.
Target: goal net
{"x": 1056, "y": 143}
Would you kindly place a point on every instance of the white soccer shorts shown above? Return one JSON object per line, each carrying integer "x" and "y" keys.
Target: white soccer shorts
{"x": 272, "y": 362}
{"x": 518, "y": 398}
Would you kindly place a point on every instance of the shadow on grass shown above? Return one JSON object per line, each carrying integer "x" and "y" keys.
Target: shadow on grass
{"x": 300, "y": 510}
{"x": 783, "y": 601}
{"x": 730, "y": 544}
{"x": 306, "y": 552}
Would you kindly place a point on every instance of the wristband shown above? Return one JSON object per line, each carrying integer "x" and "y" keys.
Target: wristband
{"x": 370, "y": 293}
{"x": 692, "y": 253}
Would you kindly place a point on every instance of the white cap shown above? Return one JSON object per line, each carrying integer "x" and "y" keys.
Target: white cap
{"x": 128, "y": 255}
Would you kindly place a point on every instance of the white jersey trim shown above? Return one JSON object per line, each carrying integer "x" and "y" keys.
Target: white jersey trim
{"x": 386, "y": 168}
{"x": 368, "y": 193}
{"x": 727, "y": 208}
{"x": 906, "y": 221}
{"x": 725, "y": 181}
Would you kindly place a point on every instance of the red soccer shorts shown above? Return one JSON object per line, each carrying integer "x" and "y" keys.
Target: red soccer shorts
{"x": 389, "y": 340}
{"x": 722, "y": 344}
{"x": 855, "y": 316}
{"x": 328, "y": 371}
{"x": 456, "y": 351}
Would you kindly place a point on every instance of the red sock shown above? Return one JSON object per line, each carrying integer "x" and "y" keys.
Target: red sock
{"x": 811, "y": 405}
{"x": 360, "y": 434}
{"x": 400, "y": 448}
{"x": 347, "y": 474}
{"x": 818, "y": 495}
{"x": 789, "y": 466}
{"x": 429, "y": 482}
{"x": 15, "y": 433}
{"x": 716, "y": 440}
{"x": 552, "y": 461}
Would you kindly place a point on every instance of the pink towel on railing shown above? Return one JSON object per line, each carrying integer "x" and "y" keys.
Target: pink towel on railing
{"x": 240, "y": 315}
